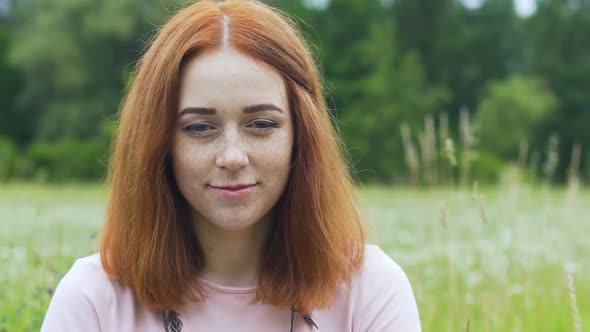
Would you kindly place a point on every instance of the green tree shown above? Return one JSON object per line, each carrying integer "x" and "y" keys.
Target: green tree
{"x": 373, "y": 85}
{"x": 338, "y": 34}
{"x": 561, "y": 43}
{"x": 13, "y": 125}
{"x": 393, "y": 91}
{"x": 461, "y": 49}
{"x": 75, "y": 57}
{"x": 74, "y": 54}
{"x": 510, "y": 112}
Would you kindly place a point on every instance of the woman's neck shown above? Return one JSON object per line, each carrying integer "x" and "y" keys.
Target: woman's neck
{"x": 232, "y": 258}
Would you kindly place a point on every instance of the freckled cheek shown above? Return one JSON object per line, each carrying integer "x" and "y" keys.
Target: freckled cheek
{"x": 273, "y": 158}
{"x": 191, "y": 159}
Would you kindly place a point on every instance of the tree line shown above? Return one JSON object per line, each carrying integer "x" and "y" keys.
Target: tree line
{"x": 422, "y": 91}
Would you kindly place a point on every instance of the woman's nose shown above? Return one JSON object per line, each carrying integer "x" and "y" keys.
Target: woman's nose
{"x": 233, "y": 156}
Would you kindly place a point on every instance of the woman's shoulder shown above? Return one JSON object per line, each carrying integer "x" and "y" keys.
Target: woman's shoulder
{"x": 88, "y": 277}
{"x": 88, "y": 264}
{"x": 383, "y": 296}
{"x": 379, "y": 274}
{"x": 84, "y": 295}
{"x": 378, "y": 263}
{"x": 86, "y": 282}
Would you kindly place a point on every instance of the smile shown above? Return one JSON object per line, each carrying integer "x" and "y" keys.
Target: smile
{"x": 234, "y": 191}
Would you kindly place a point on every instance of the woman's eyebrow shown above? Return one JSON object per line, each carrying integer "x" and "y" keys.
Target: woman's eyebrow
{"x": 197, "y": 110}
{"x": 247, "y": 109}
{"x": 261, "y": 108}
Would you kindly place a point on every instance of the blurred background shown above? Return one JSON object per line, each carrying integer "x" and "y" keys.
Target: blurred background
{"x": 467, "y": 125}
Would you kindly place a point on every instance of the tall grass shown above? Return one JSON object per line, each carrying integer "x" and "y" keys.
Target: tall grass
{"x": 489, "y": 259}
{"x": 483, "y": 259}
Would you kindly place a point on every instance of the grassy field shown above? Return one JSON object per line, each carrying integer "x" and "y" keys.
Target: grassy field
{"x": 495, "y": 260}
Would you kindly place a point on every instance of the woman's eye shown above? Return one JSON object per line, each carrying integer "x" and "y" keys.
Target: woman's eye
{"x": 198, "y": 128}
{"x": 264, "y": 124}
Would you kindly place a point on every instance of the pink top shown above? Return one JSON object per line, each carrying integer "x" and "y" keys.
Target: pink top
{"x": 380, "y": 299}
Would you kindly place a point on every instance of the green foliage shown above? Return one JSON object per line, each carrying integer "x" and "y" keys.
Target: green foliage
{"x": 384, "y": 63}
{"x": 487, "y": 168}
{"x": 510, "y": 112}
{"x": 12, "y": 123}
{"x": 75, "y": 57}
{"x": 394, "y": 90}
{"x": 461, "y": 49}
{"x": 74, "y": 68}
{"x": 8, "y": 155}
{"x": 69, "y": 159}
{"x": 558, "y": 34}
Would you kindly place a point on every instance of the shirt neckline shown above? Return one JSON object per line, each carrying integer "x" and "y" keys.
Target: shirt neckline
{"x": 228, "y": 289}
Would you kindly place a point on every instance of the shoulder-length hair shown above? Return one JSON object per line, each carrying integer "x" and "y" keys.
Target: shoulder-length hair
{"x": 317, "y": 240}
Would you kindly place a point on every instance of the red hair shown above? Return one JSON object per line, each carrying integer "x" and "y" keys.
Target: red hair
{"x": 317, "y": 240}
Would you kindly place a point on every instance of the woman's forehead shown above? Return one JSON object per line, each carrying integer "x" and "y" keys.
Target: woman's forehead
{"x": 227, "y": 76}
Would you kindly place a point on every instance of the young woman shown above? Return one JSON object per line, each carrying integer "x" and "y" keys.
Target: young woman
{"x": 231, "y": 207}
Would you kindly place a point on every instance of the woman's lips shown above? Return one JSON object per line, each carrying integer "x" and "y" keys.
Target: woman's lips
{"x": 234, "y": 193}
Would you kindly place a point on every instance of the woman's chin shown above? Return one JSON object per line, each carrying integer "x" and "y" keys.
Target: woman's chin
{"x": 234, "y": 224}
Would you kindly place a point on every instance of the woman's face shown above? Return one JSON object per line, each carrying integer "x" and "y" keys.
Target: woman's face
{"x": 233, "y": 138}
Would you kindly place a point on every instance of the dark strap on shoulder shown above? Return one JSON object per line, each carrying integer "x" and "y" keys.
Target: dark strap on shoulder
{"x": 306, "y": 317}
{"x": 172, "y": 322}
